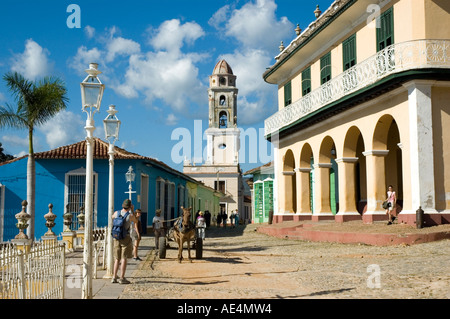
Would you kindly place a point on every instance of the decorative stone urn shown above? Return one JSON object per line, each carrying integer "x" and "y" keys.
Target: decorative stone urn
{"x": 67, "y": 220}
{"x": 81, "y": 218}
{"x": 23, "y": 217}
{"x": 50, "y": 221}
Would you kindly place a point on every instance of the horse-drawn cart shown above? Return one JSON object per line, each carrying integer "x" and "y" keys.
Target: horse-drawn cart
{"x": 182, "y": 231}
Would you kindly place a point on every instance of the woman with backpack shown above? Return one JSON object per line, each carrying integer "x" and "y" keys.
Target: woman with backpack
{"x": 123, "y": 247}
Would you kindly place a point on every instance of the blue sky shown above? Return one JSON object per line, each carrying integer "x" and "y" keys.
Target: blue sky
{"x": 156, "y": 57}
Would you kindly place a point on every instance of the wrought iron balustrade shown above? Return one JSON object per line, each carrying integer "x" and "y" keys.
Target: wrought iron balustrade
{"x": 400, "y": 57}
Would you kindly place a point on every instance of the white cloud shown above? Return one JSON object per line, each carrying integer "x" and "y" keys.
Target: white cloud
{"x": 33, "y": 62}
{"x": 90, "y": 31}
{"x": 16, "y": 140}
{"x": 2, "y": 97}
{"x": 81, "y": 60}
{"x": 256, "y": 25}
{"x": 167, "y": 73}
{"x": 171, "y": 119}
{"x": 121, "y": 46}
{"x": 65, "y": 128}
{"x": 172, "y": 35}
{"x": 219, "y": 17}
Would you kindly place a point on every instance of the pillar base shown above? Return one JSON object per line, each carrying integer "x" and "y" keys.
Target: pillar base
{"x": 347, "y": 216}
{"x": 378, "y": 216}
{"x": 445, "y": 217}
{"x": 68, "y": 237}
{"x": 429, "y": 218}
{"x": 291, "y": 218}
{"x": 23, "y": 244}
{"x": 322, "y": 216}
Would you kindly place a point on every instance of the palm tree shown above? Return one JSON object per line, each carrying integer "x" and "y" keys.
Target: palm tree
{"x": 36, "y": 103}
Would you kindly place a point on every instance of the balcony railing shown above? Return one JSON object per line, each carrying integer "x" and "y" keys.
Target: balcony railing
{"x": 411, "y": 55}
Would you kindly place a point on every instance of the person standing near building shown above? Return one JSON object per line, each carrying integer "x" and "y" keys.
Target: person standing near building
{"x": 123, "y": 247}
{"x": 158, "y": 228}
{"x": 236, "y": 218}
{"x": 201, "y": 225}
{"x": 207, "y": 218}
{"x": 136, "y": 232}
{"x": 392, "y": 200}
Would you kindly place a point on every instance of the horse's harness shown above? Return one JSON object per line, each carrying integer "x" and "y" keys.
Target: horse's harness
{"x": 178, "y": 225}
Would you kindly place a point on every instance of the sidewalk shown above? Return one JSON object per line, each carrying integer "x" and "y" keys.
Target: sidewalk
{"x": 101, "y": 288}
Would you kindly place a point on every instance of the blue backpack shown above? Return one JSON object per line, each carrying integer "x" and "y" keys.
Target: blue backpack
{"x": 118, "y": 229}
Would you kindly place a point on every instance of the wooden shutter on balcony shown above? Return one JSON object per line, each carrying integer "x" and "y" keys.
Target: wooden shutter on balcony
{"x": 325, "y": 67}
{"x": 385, "y": 29}
{"x": 349, "y": 52}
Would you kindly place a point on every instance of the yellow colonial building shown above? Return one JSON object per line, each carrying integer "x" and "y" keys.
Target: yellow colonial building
{"x": 364, "y": 102}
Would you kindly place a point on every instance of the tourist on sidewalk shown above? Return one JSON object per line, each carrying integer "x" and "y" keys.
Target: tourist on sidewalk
{"x": 123, "y": 247}
{"x": 136, "y": 233}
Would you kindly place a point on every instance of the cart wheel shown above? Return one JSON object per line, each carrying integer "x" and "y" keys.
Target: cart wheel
{"x": 162, "y": 247}
{"x": 199, "y": 248}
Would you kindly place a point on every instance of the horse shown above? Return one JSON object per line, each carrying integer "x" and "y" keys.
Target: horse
{"x": 184, "y": 232}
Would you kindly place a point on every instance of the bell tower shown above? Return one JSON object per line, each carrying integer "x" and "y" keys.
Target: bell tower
{"x": 222, "y": 134}
{"x": 221, "y": 169}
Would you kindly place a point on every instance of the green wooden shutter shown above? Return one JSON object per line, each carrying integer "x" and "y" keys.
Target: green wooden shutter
{"x": 287, "y": 94}
{"x": 385, "y": 32}
{"x": 349, "y": 52}
{"x": 333, "y": 191}
{"x": 325, "y": 67}
{"x": 306, "y": 81}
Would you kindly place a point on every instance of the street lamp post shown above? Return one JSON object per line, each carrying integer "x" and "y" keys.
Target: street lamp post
{"x": 111, "y": 125}
{"x": 91, "y": 97}
{"x": 129, "y": 177}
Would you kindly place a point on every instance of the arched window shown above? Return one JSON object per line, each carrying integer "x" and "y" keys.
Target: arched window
{"x": 223, "y": 120}
{"x": 222, "y": 100}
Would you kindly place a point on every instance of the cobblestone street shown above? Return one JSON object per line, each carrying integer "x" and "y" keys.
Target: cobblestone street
{"x": 242, "y": 263}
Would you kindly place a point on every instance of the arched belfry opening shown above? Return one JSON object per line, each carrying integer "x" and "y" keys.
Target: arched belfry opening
{"x": 223, "y": 120}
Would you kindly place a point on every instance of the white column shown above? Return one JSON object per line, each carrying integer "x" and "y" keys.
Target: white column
{"x": 109, "y": 241}
{"x": 421, "y": 146}
{"x": 86, "y": 292}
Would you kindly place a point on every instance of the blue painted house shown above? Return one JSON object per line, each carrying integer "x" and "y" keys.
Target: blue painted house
{"x": 60, "y": 180}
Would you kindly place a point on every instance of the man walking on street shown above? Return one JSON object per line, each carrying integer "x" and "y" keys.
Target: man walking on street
{"x": 123, "y": 248}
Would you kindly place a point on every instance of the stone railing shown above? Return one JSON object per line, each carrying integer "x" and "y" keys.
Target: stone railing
{"x": 411, "y": 55}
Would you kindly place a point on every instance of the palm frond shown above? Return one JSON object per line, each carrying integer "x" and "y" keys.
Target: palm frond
{"x": 9, "y": 117}
{"x": 20, "y": 87}
{"x": 49, "y": 99}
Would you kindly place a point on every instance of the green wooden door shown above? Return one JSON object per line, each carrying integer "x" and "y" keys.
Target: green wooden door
{"x": 268, "y": 199}
{"x": 259, "y": 202}
{"x": 333, "y": 191}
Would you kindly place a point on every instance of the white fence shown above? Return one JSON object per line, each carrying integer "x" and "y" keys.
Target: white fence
{"x": 35, "y": 274}
{"x": 39, "y": 272}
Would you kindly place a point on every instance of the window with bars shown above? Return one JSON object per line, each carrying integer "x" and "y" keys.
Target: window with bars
{"x": 75, "y": 194}
{"x": 385, "y": 32}
{"x": 325, "y": 68}
{"x": 287, "y": 94}
{"x": 349, "y": 52}
{"x": 306, "y": 81}
{"x": 165, "y": 198}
